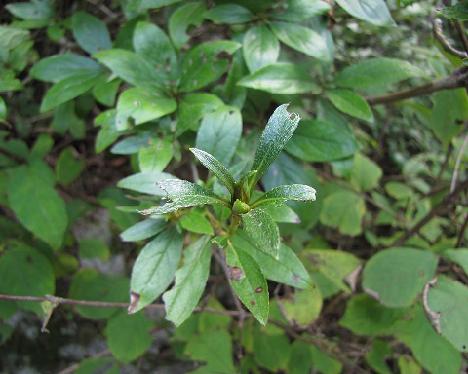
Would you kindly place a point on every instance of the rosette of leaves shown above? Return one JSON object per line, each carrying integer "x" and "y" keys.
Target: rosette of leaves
{"x": 242, "y": 227}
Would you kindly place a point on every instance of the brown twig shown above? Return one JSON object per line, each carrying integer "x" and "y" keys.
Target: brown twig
{"x": 445, "y": 204}
{"x": 459, "y": 78}
{"x": 445, "y": 43}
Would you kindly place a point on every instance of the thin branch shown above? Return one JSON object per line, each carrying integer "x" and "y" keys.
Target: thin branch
{"x": 461, "y": 234}
{"x": 439, "y": 35}
{"x": 453, "y": 182}
{"x": 461, "y": 33}
{"x": 459, "y": 78}
{"x": 445, "y": 204}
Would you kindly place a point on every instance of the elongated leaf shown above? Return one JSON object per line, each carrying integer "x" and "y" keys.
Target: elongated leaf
{"x": 321, "y": 141}
{"x": 260, "y": 47}
{"x": 286, "y": 269}
{"x": 229, "y": 13}
{"x": 191, "y": 109}
{"x": 152, "y": 43}
{"x": 248, "y": 282}
{"x": 351, "y": 103}
{"x": 144, "y": 230}
{"x": 264, "y": 232}
{"x": 190, "y": 281}
{"x": 132, "y": 68}
{"x": 275, "y": 136}
{"x": 183, "y": 194}
{"x": 280, "y": 78}
{"x": 155, "y": 268}
{"x": 68, "y": 89}
{"x": 39, "y": 208}
{"x": 378, "y": 72}
{"x": 145, "y": 182}
{"x": 90, "y": 32}
{"x": 280, "y": 194}
{"x": 373, "y": 11}
{"x": 191, "y": 13}
{"x": 302, "y": 39}
{"x": 216, "y": 167}
{"x": 300, "y": 10}
{"x": 142, "y": 105}
{"x": 56, "y": 68}
{"x": 220, "y": 132}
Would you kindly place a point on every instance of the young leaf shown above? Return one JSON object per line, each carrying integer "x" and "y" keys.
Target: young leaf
{"x": 190, "y": 281}
{"x": 260, "y": 47}
{"x": 191, "y": 13}
{"x": 216, "y": 167}
{"x": 261, "y": 228}
{"x": 155, "y": 268}
{"x": 183, "y": 194}
{"x": 351, "y": 103}
{"x": 280, "y": 194}
{"x": 195, "y": 221}
{"x": 248, "y": 282}
{"x": 275, "y": 136}
{"x": 373, "y": 11}
{"x": 229, "y": 13}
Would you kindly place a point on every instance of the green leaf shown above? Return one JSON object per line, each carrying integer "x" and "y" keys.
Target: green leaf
{"x": 106, "y": 89}
{"x": 302, "y": 39}
{"x": 264, "y": 232}
{"x": 459, "y": 256}
{"x": 156, "y": 156}
{"x": 319, "y": 141}
{"x": 286, "y": 269}
{"x": 260, "y": 47}
{"x": 377, "y": 72}
{"x": 229, "y": 13}
{"x": 365, "y": 174}
{"x": 131, "y": 67}
{"x": 378, "y": 355}
{"x": 183, "y": 194}
{"x": 39, "y": 208}
{"x": 152, "y": 43}
{"x": 281, "y": 78}
{"x": 275, "y": 136}
{"x": 128, "y": 337}
{"x": 217, "y": 168}
{"x": 214, "y": 348}
{"x": 271, "y": 349}
{"x": 448, "y": 307}
{"x": 366, "y": 316}
{"x": 220, "y": 132}
{"x": 432, "y": 351}
{"x": 59, "y": 67}
{"x": 92, "y": 365}
{"x": 155, "y": 268}
{"x": 141, "y": 105}
{"x": 458, "y": 11}
{"x": 89, "y": 284}
{"x": 90, "y": 33}
{"x": 301, "y": 10}
{"x": 205, "y": 63}
{"x": 303, "y": 307}
{"x": 26, "y": 272}
{"x": 373, "y": 11}
{"x": 282, "y": 213}
{"x": 32, "y": 10}
{"x": 3, "y": 110}
{"x": 68, "y": 168}
{"x": 145, "y": 182}
{"x": 280, "y": 194}
{"x": 189, "y": 14}
{"x": 396, "y": 276}
{"x": 190, "y": 281}
{"x": 93, "y": 248}
{"x": 408, "y": 365}
{"x": 144, "y": 229}
{"x": 191, "y": 109}
{"x": 248, "y": 282}
{"x": 351, "y": 103}
{"x": 336, "y": 266}
{"x": 68, "y": 89}
{"x": 196, "y": 222}
{"x": 305, "y": 357}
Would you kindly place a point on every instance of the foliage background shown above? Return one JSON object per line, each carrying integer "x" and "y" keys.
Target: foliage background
{"x": 86, "y": 134}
